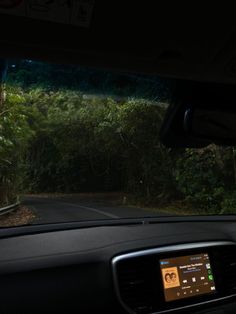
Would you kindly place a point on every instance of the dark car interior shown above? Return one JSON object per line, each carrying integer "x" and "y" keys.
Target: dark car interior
{"x": 117, "y": 266}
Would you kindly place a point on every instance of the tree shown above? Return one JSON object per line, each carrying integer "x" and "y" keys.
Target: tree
{"x": 57, "y": 136}
{"x": 15, "y": 133}
{"x": 3, "y": 71}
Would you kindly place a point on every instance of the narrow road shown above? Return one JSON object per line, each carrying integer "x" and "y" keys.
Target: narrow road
{"x": 72, "y": 208}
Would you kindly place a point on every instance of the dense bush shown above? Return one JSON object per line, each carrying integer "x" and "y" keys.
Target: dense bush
{"x": 59, "y": 139}
{"x": 199, "y": 179}
{"x": 95, "y": 144}
{"x": 15, "y": 133}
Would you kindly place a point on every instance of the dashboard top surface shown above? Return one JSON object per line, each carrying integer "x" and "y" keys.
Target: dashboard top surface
{"x": 103, "y": 243}
{"x": 58, "y": 265}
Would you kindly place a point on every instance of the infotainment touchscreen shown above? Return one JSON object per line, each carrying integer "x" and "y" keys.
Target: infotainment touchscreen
{"x": 187, "y": 276}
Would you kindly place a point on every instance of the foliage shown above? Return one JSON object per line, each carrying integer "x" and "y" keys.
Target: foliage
{"x": 204, "y": 178}
{"x": 14, "y": 135}
{"x": 56, "y": 137}
{"x": 228, "y": 204}
{"x": 93, "y": 144}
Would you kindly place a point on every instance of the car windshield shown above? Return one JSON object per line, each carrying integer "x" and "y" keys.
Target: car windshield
{"x": 82, "y": 144}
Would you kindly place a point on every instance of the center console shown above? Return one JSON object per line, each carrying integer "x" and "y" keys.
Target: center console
{"x": 173, "y": 278}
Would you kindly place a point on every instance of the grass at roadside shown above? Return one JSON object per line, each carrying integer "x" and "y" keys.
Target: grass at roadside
{"x": 22, "y": 216}
{"x": 179, "y": 208}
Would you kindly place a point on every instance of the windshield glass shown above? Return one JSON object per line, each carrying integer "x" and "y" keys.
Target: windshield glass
{"x": 83, "y": 144}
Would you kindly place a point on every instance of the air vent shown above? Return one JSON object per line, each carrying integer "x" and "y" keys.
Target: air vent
{"x": 137, "y": 279}
{"x": 229, "y": 264}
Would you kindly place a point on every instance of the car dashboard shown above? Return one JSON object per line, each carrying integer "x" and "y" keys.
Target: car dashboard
{"x": 121, "y": 269}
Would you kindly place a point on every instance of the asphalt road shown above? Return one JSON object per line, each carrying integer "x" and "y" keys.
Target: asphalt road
{"x": 71, "y": 208}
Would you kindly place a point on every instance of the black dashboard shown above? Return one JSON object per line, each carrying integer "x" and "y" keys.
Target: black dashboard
{"x": 177, "y": 277}
{"x": 119, "y": 269}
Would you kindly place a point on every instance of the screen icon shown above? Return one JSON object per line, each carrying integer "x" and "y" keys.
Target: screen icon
{"x": 208, "y": 266}
{"x": 192, "y": 274}
{"x": 170, "y": 277}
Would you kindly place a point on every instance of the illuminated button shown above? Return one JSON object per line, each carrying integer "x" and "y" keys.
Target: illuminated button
{"x": 208, "y": 266}
{"x": 202, "y": 278}
{"x": 178, "y": 294}
{"x": 191, "y": 291}
{"x": 213, "y": 288}
{"x": 185, "y": 292}
{"x": 197, "y": 290}
{"x": 210, "y": 277}
{"x": 185, "y": 281}
{"x": 194, "y": 279}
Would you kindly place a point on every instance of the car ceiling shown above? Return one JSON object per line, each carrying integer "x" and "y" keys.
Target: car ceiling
{"x": 168, "y": 38}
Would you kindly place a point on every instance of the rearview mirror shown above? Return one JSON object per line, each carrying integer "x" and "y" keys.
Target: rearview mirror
{"x": 201, "y": 114}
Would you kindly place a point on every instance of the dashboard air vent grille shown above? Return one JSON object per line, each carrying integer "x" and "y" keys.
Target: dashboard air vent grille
{"x": 229, "y": 262}
{"x": 136, "y": 281}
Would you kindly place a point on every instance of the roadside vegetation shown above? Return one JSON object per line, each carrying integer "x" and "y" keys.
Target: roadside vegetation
{"x": 71, "y": 130}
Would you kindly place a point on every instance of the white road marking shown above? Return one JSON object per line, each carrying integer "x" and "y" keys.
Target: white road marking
{"x": 92, "y": 209}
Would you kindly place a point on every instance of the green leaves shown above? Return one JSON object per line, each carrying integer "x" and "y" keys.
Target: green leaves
{"x": 14, "y": 135}
{"x": 200, "y": 178}
{"x": 82, "y": 142}
{"x": 65, "y": 141}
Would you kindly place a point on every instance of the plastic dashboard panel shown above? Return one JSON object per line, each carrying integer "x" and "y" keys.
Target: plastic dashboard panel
{"x": 159, "y": 253}
{"x": 70, "y": 270}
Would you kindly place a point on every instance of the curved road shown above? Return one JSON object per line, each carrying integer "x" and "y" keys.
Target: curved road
{"x": 73, "y": 208}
